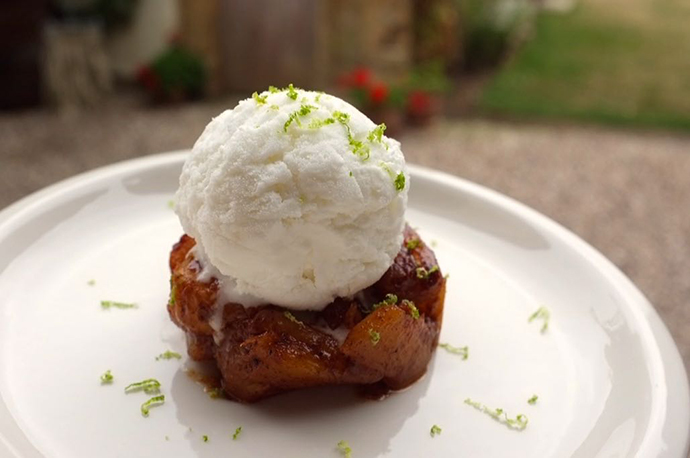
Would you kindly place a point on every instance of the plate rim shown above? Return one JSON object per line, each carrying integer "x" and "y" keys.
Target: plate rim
{"x": 672, "y": 366}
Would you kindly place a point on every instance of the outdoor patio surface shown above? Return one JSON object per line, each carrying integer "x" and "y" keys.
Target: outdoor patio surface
{"x": 627, "y": 193}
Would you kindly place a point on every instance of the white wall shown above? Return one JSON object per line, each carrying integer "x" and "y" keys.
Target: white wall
{"x": 153, "y": 25}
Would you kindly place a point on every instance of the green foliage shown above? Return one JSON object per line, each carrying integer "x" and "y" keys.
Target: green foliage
{"x": 429, "y": 77}
{"x": 180, "y": 72}
{"x": 488, "y": 28}
{"x": 597, "y": 65}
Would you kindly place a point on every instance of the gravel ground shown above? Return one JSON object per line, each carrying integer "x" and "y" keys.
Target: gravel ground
{"x": 626, "y": 193}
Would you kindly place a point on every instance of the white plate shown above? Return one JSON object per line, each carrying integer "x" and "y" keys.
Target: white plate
{"x": 609, "y": 378}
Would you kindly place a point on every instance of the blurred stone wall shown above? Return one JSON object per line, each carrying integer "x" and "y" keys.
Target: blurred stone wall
{"x": 249, "y": 45}
{"x": 377, "y": 34}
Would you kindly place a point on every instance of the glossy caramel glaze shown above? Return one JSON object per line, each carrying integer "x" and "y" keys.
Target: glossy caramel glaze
{"x": 263, "y": 351}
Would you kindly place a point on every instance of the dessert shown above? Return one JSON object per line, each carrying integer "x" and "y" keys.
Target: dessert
{"x": 297, "y": 268}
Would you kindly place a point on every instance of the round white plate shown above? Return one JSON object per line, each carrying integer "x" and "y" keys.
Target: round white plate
{"x": 608, "y": 377}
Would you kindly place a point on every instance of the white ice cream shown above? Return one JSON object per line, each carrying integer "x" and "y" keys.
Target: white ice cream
{"x": 293, "y": 212}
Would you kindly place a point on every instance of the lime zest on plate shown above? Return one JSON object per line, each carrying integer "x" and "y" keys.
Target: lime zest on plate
{"x": 215, "y": 393}
{"x": 168, "y": 354}
{"x": 107, "y": 305}
{"x": 148, "y": 386}
{"x": 462, "y": 351}
{"x": 173, "y": 293}
{"x": 156, "y": 400}
{"x": 345, "y": 449}
{"x": 238, "y": 430}
{"x": 518, "y": 423}
{"x": 542, "y": 313}
{"x": 533, "y": 399}
{"x": 107, "y": 377}
{"x": 435, "y": 430}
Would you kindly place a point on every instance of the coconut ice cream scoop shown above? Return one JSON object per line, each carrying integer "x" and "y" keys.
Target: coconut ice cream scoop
{"x": 296, "y": 197}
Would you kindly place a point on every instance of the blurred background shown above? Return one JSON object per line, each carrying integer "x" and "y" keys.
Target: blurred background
{"x": 579, "y": 108}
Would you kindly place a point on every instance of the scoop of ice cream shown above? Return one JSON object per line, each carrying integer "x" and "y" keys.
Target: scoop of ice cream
{"x": 296, "y": 196}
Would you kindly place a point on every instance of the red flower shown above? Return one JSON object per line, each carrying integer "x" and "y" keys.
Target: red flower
{"x": 378, "y": 93}
{"x": 148, "y": 78}
{"x": 419, "y": 103}
{"x": 361, "y": 77}
{"x": 358, "y": 78}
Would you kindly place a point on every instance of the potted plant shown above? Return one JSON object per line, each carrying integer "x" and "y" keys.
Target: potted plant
{"x": 176, "y": 75}
{"x": 416, "y": 100}
{"x": 380, "y": 101}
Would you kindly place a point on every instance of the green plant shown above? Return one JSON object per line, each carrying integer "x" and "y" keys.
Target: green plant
{"x": 174, "y": 74}
{"x": 488, "y": 29}
{"x": 429, "y": 77}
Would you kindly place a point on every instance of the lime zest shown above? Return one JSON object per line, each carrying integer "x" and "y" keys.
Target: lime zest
{"x": 390, "y": 299}
{"x": 374, "y": 336}
{"x": 519, "y": 423}
{"x": 173, "y": 293}
{"x": 156, "y": 400}
{"x": 318, "y": 123}
{"x": 291, "y": 92}
{"x": 462, "y": 351}
{"x": 168, "y": 354}
{"x": 106, "y": 305}
{"x": 414, "y": 311}
{"x": 238, "y": 430}
{"x": 435, "y": 430}
{"x": 107, "y": 378}
{"x": 423, "y": 273}
{"x": 295, "y": 115}
{"x": 204, "y": 438}
{"x": 148, "y": 386}
{"x": 543, "y": 314}
{"x": 413, "y": 244}
{"x": 533, "y": 399}
{"x": 273, "y": 89}
{"x": 291, "y": 317}
{"x": 358, "y": 147}
{"x": 215, "y": 393}
{"x": 376, "y": 135}
{"x": 260, "y": 100}
{"x": 400, "y": 182}
{"x": 345, "y": 449}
